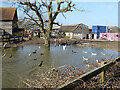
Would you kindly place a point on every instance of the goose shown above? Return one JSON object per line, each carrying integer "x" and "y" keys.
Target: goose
{"x": 93, "y": 54}
{"x": 103, "y": 53}
{"x": 39, "y": 46}
{"x": 29, "y": 54}
{"x": 85, "y": 58}
{"x": 3, "y": 55}
{"x": 64, "y": 47}
{"x": 84, "y": 52}
{"x": 41, "y": 64}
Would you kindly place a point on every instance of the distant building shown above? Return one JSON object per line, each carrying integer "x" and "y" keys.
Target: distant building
{"x": 75, "y": 31}
{"x": 99, "y": 29}
{"x": 9, "y": 20}
{"x": 110, "y": 36}
{"x": 114, "y": 29}
{"x": 55, "y": 31}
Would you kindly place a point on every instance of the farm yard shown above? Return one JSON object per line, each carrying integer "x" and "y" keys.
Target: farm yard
{"x": 45, "y": 47}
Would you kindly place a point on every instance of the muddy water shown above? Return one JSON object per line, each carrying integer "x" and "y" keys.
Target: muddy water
{"x": 21, "y": 66}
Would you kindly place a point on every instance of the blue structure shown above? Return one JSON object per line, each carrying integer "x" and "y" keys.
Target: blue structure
{"x": 99, "y": 29}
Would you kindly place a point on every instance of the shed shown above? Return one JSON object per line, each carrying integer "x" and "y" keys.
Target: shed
{"x": 9, "y": 19}
{"x": 75, "y": 31}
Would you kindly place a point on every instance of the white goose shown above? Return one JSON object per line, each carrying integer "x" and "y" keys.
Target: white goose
{"x": 85, "y": 58}
{"x": 64, "y": 47}
{"x": 84, "y": 52}
{"x": 93, "y": 54}
{"x": 29, "y": 54}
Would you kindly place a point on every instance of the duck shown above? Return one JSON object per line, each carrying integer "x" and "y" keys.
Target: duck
{"x": 73, "y": 51}
{"x": 41, "y": 53}
{"x": 10, "y": 56}
{"x": 85, "y": 58}
{"x": 34, "y": 51}
{"x": 3, "y": 55}
{"x": 84, "y": 52}
{"x": 39, "y": 46}
{"x": 35, "y": 58}
{"x": 93, "y": 54}
{"x": 103, "y": 53}
{"x": 41, "y": 64}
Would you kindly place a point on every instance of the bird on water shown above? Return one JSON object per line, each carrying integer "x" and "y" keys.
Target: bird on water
{"x": 41, "y": 64}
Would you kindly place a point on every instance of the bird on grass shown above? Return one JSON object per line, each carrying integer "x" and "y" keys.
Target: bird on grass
{"x": 41, "y": 64}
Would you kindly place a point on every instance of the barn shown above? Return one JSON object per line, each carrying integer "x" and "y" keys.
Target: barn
{"x": 80, "y": 31}
{"x": 9, "y": 20}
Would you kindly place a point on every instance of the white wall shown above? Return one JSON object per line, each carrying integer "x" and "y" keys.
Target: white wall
{"x": 70, "y": 34}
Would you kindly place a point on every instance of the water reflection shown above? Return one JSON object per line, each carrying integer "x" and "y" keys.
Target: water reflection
{"x": 21, "y": 65}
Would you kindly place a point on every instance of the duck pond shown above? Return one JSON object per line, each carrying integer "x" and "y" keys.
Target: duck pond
{"x": 38, "y": 66}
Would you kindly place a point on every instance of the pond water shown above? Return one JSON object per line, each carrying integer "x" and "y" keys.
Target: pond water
{"x": 21, "y": 65}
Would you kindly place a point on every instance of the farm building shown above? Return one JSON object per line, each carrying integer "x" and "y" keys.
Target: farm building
{"x": 110, "y": 36}
{"x": 75, "y": 31}
{"x": 9, "y": 20}
{"x": 114, "y": 29}
{"x": 99, "y": 29}
{"x": 55, "y": 31}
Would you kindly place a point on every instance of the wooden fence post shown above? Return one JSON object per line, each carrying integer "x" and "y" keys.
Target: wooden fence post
{"x": 102, "y": 74}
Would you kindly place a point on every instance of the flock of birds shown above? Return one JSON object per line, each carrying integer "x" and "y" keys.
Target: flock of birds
{"x": 34, "y": 52}
{"x": 63, "y": 47}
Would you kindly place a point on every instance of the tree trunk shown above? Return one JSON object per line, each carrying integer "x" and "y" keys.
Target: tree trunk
{"x": 47, "y": 41}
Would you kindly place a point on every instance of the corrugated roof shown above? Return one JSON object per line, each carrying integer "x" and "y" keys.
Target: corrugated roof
{"x": 7, "y": 13}
{"x": 68, "y": 28}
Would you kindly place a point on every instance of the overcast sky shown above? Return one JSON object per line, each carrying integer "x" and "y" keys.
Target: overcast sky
{"x": 96, "y": 13}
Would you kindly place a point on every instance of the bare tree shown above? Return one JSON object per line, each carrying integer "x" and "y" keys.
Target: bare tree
{"x": 50, "y": 8}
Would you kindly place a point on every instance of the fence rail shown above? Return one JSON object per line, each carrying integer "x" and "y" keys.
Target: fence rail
{"x": 88, "y": 75}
